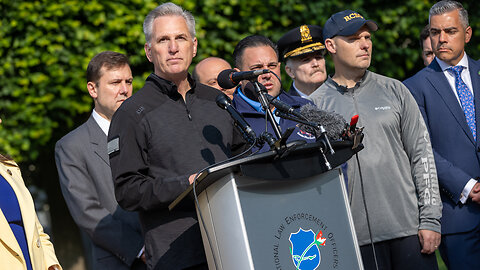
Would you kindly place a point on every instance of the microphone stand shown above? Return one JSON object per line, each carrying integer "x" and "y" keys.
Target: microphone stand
{"x": 266, "y": 107}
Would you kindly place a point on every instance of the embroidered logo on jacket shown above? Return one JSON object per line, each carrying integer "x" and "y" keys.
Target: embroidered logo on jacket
{"x": 305, "y": 135}
{"x": 383, "y": 108}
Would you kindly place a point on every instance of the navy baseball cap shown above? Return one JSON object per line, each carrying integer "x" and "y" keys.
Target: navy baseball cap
{"x": 346, "y": 23}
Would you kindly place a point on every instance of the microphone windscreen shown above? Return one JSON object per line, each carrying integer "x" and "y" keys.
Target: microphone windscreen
{"x": 333, "y": 122}
{"x": 224, "y": 79}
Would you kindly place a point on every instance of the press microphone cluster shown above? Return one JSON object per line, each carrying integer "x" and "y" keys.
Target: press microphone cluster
{"x": 230, "y": 78}
{"x": 333, "y": 123}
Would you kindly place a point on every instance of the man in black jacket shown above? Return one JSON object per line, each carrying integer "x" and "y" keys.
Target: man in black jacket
{"x": 158, "y": 140}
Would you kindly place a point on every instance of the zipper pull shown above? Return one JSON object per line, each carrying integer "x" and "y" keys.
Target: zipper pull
{"x": 189, "y": 116}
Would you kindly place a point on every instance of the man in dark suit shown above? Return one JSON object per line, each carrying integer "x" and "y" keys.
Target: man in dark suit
{"x": 448, "y": 94}
{"x": 85, "y": 175}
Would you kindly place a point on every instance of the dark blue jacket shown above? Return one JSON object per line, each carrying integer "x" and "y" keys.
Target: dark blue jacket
{"x": 256, "y": 118}
{"x": 457, "y": 154}
{"x": 293, "y": 92}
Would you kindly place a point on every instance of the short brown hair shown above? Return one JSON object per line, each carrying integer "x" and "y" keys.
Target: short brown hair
{"x": 107, "y": 59}
{"x": 424, "y": 35}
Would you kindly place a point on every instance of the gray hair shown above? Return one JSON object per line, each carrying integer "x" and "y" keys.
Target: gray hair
{"x": 445, "y": 6}
{"x": 167, "y": 9}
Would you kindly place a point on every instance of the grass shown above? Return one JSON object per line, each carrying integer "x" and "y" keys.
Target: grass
{"x": 441, "y": 264}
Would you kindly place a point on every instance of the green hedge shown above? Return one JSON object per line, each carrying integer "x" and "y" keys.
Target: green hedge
{"x": 45, "y": 48}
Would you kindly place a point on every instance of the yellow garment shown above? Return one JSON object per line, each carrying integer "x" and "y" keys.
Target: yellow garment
{"x": 41, "y": 249}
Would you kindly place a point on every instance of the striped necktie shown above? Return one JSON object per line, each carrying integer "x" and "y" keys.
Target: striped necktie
{"x": 466, "y": 98}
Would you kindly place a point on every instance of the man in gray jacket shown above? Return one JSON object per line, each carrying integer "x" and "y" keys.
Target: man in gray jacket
{"x": 393, "y": 187}
{"x": 85, "y": 175}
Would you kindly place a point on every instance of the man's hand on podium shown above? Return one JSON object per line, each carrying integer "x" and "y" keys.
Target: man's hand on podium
{"x": 191, "y": 178}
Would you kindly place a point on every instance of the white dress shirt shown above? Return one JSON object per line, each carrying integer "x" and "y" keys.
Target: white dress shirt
{"x": 102, "y": 122}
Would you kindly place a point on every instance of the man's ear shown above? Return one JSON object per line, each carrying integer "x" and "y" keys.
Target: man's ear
{"x": 92, "y": 89}
{"x": 330, "y": 45}
{"x": 289, "y": 71}
{"x": 468, "y": 34}
{"x": 148, "y": 52}
{"x": 195, "y": 43}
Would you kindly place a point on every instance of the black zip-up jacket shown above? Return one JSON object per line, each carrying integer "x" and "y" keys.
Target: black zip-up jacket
{"x": 156, "y": 141}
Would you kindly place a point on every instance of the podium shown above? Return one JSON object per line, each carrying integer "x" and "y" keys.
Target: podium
{"x": 269, "y": 211}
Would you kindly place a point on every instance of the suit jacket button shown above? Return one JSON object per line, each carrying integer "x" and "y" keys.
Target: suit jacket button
{"x": 38, "y": 243}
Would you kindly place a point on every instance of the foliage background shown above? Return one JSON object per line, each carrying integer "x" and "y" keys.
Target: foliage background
{"x": 45, "y": 47}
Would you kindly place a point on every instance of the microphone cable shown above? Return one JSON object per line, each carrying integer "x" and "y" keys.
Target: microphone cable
{"x": 197, "y": 205}
{"x": 366, "y": 211}
{"x": 276, "y": 76}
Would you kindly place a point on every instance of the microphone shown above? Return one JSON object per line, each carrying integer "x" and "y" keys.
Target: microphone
{"x": 284, "y": 107}
{"x": 224, "y": 102}
{"x": 333, "y": 122}
{"x": 229, "y": 78}
{"x": 353, "y": 123}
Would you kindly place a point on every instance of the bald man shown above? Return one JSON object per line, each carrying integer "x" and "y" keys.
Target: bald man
{"x": 206, "y": 72}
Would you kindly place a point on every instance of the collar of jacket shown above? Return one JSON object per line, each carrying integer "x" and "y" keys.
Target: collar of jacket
{"x": 256, "y": 105}
{"x": 343, "y": 89}
{"x": 169, "y": 88}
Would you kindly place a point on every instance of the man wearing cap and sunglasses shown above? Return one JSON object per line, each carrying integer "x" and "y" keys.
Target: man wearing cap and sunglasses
{"x": 303, "y": 52}
{"x": 393, "y": 187}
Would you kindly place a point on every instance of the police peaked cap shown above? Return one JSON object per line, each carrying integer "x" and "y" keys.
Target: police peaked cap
{"x": 300, "y": 40}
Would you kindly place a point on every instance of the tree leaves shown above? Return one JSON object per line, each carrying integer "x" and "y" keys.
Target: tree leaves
{"x": 45, "y": 47}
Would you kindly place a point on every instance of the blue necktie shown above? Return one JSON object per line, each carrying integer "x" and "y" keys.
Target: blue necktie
{"x": 466, "y": 98}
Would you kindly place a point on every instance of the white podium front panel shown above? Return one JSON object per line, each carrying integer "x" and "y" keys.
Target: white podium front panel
{"x": 285, "y": 224}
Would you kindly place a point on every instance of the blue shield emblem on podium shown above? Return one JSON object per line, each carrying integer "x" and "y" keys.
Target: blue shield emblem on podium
{"x": 304, "y": 250}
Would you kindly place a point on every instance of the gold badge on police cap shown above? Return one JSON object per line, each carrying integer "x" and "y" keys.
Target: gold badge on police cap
{"x": 305, "y": 34}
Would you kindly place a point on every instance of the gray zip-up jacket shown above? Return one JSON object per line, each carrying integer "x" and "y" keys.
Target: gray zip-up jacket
{"x": 399, "y": 174}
